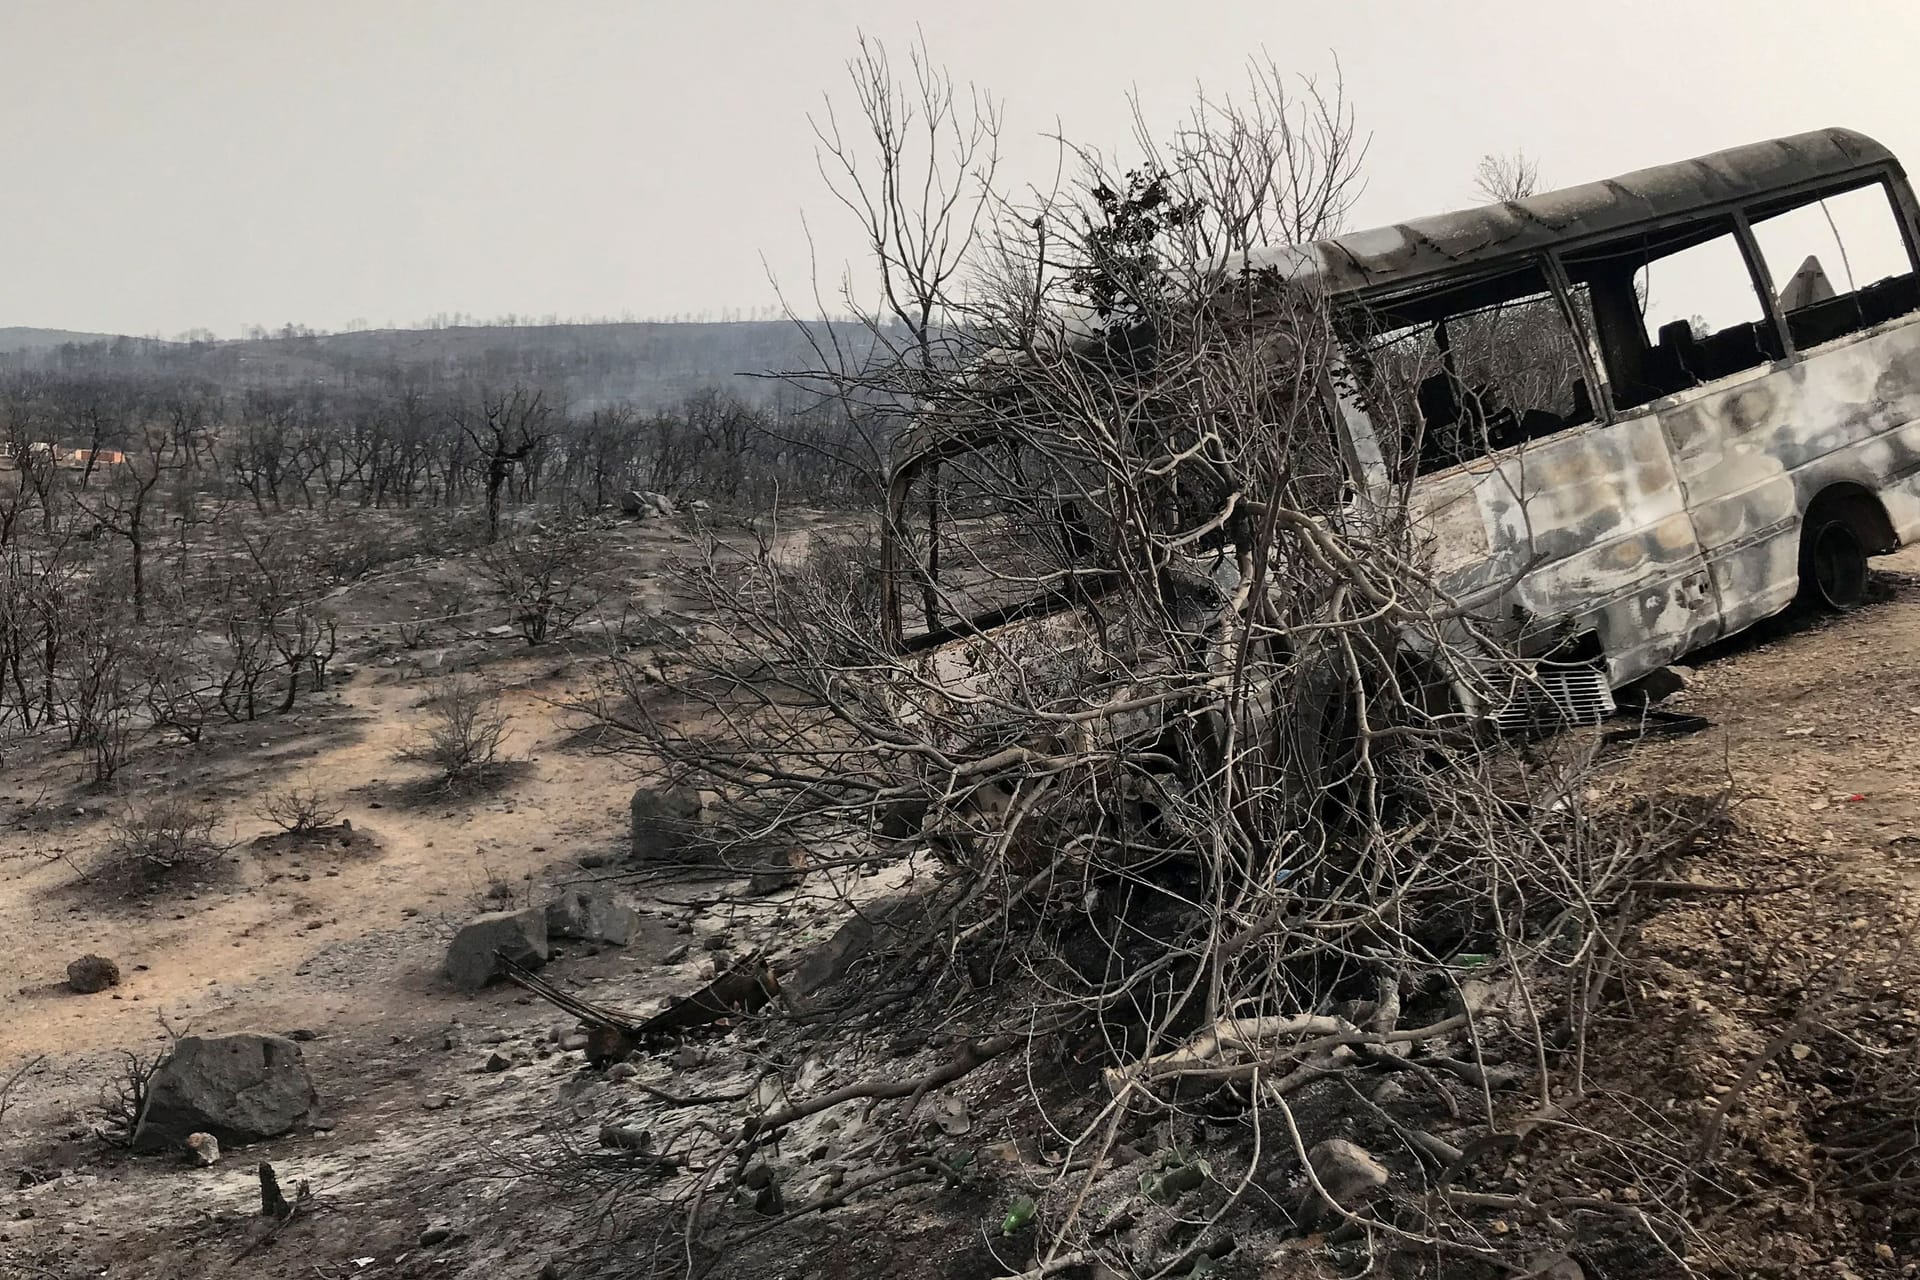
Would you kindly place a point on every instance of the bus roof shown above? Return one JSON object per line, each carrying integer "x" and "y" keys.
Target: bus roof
{"x": 1407, "y": 251}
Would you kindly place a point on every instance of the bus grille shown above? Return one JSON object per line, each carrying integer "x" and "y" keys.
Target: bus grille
{"x": 1558, "y": 694}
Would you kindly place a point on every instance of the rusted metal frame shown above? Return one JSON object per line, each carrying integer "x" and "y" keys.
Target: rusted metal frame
{"x": 1762, "y": 278}
{"x": 1592, "y": 361}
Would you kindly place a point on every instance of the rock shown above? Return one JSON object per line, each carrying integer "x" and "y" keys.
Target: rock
{"x": 645, "y": 504}
{"x": 1348, "y": 1172}
{"x": 625, "y": 1137}
{"x": 91, "y": 973}
{"x": 496, "y": 1063}
{"x": 676, "y": 955}
{"x": 1656, "y": 686}
{"x": 784, "y": 870}
{"x": 238, "y": 1088}
{"x": 881, "y": 925}
{"x": 622, "y": 1071}
{"x": 203, "y": 1149}
{"x": 437, "y": 1234}
{"x": 589, "y": 913}
{"x": 1388, "y": 1092}
{"x": 474, "y": 955}
{"x": 665, "y": 823}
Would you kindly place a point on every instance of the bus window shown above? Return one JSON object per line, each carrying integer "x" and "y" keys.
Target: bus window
{"x": 1457, "y": 370}
{"x": 1839, "y": 263}
{"x": 1674, "y": 308}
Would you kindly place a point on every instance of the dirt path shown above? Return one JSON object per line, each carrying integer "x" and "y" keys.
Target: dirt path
{"x": 300, "y": 938}
{"x": 1816, "y": 720}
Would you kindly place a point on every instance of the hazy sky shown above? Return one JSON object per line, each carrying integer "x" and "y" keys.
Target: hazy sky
{"x": 180, "y": 163}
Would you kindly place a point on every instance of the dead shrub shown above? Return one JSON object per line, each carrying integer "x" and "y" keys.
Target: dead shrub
{"x": 123, "y": 1098}
{"x": 300, "y": 808}
{"x": 547, "y": 578}
{"x": 464, "y": 733}
{"x": 159, "y": 837}
{"x": 12, "y": 1082}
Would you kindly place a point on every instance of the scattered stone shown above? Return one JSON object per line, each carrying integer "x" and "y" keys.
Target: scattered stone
{"x": 685, "y": 1058}
{"x": 571, "y": 1041}
{"x": 676, "y": 955}
{"x": 91, "y": 973}
{"x": 238, "y": 1088}
{"x": 496, "y": 1062}
{"x": 622, "y": 1071}
{"x": 665, "y": 823}
{"x": 590, "y": 913}
{"x": 625, "y": 1137}
{"x": 303, "y": 1035}
{"x": 474, "y": 956}
{"x": 879, "y": 926}
{"x": 203, "y": 1149}
{"x": 950, "y": 1114}
{"x": 437, "y": 1234}
{"x": 785, "y": 870}
{"x": 1347, "y": 1171}
{"x": 715, "y": 942}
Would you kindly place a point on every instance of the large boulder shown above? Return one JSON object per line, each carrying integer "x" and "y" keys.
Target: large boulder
{"x": 666, "y": 823}
{"x": 590, "y": 914}
{"x": 238, "y": 1088}
{"x": 474, "y": 956}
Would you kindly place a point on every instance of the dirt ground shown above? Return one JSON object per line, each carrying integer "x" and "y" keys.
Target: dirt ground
{"x": 1812, "y": 723}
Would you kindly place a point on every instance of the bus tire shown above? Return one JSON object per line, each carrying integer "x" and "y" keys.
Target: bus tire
{"x": 1833, "y": 563}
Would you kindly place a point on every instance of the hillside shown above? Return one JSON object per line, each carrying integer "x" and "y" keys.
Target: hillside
{"x": 647, "y": 364}
{"x": 16, "y": 338}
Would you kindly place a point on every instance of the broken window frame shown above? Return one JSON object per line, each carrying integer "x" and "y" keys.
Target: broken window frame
{"x": 1900, "y": 207}
{"x": 1368, "y": 447}
{"x": 1737, "y": 219}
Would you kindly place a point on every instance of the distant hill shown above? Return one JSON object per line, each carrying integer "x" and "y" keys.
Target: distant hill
{"x": 648, "y": 364}
{"x": 16, "y": 338}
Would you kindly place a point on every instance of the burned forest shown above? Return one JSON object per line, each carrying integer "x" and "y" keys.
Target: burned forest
{"x": 1154, "y": 733}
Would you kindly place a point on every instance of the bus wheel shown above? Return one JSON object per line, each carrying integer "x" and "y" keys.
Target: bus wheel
{"x": 1833, "y": 564}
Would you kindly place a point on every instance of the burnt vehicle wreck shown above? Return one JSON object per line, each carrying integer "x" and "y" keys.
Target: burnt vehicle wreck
{"x": 1586, "y": 485}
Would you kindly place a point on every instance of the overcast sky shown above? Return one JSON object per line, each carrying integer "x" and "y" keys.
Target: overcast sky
{"x": 171, "y": 164}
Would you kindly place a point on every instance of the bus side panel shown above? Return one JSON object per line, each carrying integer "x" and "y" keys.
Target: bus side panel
{"x": 1586, "y": 531}
{"x": 1612, "y": 548}
{"x": 1753, "y": 455}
